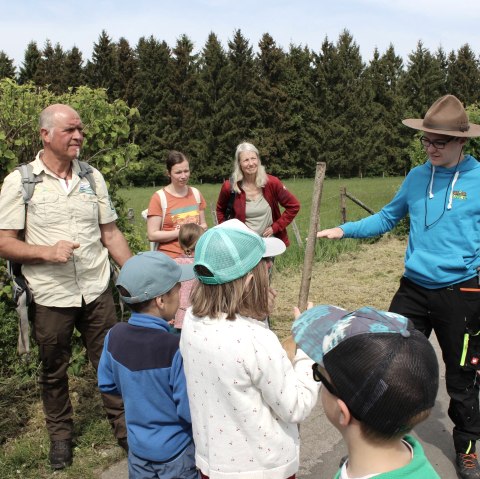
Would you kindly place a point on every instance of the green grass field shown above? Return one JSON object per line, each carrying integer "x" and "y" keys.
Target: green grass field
{"x": 374, "y": 192}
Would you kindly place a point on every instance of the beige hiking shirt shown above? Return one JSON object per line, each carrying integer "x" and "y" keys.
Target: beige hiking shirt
{"x": 53, "y": 215}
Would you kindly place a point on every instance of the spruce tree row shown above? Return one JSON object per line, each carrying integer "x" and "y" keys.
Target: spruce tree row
{"x": 298, "y": 106}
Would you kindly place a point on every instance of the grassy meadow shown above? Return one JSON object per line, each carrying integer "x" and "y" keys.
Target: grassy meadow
{"x": 374, "y": 192}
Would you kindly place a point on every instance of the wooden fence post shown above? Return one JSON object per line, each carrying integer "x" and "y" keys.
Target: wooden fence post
{"x": 131, "y": 215}
{"x": 312, "y": 236}
{"x": 296, "y": 231}
{"x": 213, "y": 211}
{"x": 343, "y": 204}
{"x": 359, "y": 203}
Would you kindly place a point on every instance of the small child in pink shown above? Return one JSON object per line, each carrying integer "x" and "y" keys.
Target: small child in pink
{"x": 187, "y": 238}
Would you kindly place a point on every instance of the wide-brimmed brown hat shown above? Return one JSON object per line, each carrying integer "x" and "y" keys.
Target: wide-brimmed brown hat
{"x": 445, "y": 117}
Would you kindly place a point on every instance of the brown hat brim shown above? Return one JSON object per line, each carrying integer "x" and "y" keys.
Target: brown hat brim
{"x": 417, "y": 124}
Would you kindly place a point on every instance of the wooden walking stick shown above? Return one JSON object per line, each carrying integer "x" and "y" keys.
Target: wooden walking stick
{"x": 289, "y": 344}
{"x": 312, "y": 236}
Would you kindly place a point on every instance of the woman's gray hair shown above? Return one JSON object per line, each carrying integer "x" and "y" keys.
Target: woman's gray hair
{"x": 237, "y": 175}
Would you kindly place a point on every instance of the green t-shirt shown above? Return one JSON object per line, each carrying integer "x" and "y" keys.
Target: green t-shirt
{"x": 416, "y": 468}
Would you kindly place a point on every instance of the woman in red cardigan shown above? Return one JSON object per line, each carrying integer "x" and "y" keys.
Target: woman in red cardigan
{"x": 257, "y": 196}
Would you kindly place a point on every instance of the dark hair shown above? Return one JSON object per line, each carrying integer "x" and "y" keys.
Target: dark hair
{"x": 135, "y": 307}
{"x": 188, "y": 235}
{"x": 174, "y": 158}
{"x": 372, "y": 435}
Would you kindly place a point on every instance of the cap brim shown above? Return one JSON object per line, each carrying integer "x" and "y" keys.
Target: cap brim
{"x": 310, "y": 328}
{"x": 273, "y": 245}
{"x": 187, "y": 272}
{"x": 417, "y": 124}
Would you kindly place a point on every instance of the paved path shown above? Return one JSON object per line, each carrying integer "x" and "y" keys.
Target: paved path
{"x": 322, "y": 447}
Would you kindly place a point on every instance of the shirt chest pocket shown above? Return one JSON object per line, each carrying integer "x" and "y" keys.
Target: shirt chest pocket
{"x": 85, "y": 208}
{"x": 46, "y": 208}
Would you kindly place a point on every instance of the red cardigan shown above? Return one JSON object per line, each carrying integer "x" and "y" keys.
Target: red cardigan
{"x": 274, "y": 193}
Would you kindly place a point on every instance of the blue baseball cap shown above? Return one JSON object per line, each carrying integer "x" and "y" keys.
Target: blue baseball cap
{"x": 150, "y": 274}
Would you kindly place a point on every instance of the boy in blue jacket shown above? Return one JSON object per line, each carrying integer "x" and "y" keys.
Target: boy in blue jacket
{"x": 141, "y": 362}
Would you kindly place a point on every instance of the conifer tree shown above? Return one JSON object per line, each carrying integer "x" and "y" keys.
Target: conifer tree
{"x": 274, "y": 128}
{"x": 213, "y": 159}
{"x": 182, "y": 128}
{"x": 127, "y": 70}
{"x": 102, "y": 70}
{"x": 323, "y": 74}
{"x": 463, "y": 75}
{"x": 73, "y": 68}
{"x": 153, "y": 99}
{"x": 423, "y": 81}
{"x": 240, "y": 110}
{"x": 386, "y": 138}
{"x": 346, "y": 95}
{"x": 30, "y": 65}
{"x": 50, "y": 69}
{"x": 7, "y": 68}
{"x": 303, "y": 119}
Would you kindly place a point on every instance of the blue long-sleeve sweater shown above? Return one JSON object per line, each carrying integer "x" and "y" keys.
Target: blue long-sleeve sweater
{"x": 444, "y": 207}
{"x": 141, "y": 361}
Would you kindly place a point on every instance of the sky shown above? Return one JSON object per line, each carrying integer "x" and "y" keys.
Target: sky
{"x": 372, "y": 23}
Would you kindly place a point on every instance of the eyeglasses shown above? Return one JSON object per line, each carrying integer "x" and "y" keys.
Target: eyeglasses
{"x": 320, "y": 378}
{"x": 438, "y": 144}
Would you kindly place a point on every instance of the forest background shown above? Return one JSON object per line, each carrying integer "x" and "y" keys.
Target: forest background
{"x": 298, "y": 106}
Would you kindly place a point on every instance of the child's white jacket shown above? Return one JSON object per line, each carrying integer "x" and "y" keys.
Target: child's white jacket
{"x": 245, "y": 398}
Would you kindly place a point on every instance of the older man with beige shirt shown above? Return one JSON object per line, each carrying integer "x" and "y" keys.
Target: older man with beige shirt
{"x": 63, "y": 243}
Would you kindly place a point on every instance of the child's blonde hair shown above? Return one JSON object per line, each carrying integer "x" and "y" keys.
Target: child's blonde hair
{"x": 235, "y": 297}
{"x": 188, "y": 236}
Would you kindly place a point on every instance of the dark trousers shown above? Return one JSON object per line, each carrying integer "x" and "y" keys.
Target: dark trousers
{"x": 449, "y": 312}
{"x": 52, "y": 330}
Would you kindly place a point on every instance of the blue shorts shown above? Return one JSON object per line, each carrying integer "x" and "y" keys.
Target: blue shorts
{"x": 181, "y": 467}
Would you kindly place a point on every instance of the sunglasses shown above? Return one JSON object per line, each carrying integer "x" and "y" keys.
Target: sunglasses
{"x": 320, "y": 378}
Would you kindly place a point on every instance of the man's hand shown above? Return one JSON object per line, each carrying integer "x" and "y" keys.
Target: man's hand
{"x": 62, "y": 251}
{"x": 332, "y": 233}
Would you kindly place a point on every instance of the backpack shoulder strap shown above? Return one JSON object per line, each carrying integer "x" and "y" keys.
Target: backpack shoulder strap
{"x": 196, "y": 193}
{"x": 29, "y": 180}
{"x": 163, "y": 203}
{"x": 86, "y": 171}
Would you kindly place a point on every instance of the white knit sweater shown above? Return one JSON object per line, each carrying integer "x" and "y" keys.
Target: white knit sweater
{"x": 245, "y": 397}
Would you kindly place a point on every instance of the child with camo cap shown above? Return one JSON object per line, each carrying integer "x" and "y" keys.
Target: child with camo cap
{"x": 380, "y": 379}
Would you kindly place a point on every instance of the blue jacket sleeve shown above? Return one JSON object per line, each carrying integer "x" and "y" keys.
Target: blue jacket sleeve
{"x": 179, "y": 388}
{"x": 106, "y": 377}
{"x": 380, "y": 222}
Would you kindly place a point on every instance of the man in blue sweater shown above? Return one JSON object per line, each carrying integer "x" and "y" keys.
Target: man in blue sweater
{"x": 440, "y": 288}
{"x": 141, "y": 362}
